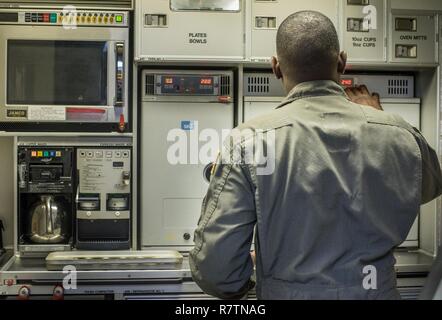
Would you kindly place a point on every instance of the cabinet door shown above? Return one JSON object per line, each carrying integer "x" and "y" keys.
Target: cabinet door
{"x": 412, "y": 39}
{"x": 173, "y": 30}
{"x": 364, "y": 29}
{"x": 267, "y": 16}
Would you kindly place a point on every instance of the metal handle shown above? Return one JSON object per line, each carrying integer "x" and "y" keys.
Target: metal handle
{"x": 22, "y": 176}
{"x": 49, "y": 218}
{"x": 77, "y": 195}
{"x": 119, "y": 74}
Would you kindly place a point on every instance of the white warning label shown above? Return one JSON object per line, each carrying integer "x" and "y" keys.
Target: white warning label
{"x": 47, "y": 113}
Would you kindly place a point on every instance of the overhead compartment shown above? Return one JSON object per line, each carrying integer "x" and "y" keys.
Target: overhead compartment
{"x": 364, "y": 30}
{"x": 430, "y": 5}
{"x": 412, "y": 38}
{"x": 189, "y": 30}
{"x": 267, "y": 16}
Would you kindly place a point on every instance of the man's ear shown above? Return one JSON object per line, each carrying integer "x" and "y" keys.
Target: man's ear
{"x": 342, "y": 62}
{"x": 276, "y": 68}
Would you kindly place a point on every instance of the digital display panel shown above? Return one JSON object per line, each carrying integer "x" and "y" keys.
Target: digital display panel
{"x": 188, "y": 84}
{"x": 206, "y": 81}
{"x": 347, "y": 82}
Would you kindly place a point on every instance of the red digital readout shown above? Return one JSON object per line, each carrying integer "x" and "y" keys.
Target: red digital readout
{"x": 206, "y": 81}
{"x": 168, "y": 80}
{"x": 347, "y": 82}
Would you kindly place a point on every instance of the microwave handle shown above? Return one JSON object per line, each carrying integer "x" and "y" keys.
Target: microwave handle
{"x": 119, "y": 74}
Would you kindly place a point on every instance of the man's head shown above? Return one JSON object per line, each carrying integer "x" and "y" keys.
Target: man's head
{"x": 308, "y": 49}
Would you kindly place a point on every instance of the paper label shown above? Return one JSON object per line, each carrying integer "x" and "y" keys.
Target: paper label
{"x": 47, "y": 113}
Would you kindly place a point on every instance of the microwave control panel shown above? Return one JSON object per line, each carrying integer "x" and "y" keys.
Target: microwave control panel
{"x": 68, "y": 18}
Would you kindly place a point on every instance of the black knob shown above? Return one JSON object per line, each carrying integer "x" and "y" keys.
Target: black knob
{"x": 186, "y": 236}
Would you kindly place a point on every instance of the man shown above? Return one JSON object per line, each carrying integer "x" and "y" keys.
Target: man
{"x": 347, "y": 185}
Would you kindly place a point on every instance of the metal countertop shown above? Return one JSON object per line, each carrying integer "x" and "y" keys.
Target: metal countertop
{"x": 408, "y": 263}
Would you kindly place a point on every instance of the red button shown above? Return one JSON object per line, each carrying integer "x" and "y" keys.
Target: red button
{"x": 122, "y": 124}
{"x": 9, "y": 282}
{"x": 46, "y": 17}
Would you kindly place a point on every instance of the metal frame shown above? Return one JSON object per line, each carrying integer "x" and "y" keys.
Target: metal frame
{"x": 177, "y": 284}
{"x": 80, "y": 4}
{"x": 117, "y": 35}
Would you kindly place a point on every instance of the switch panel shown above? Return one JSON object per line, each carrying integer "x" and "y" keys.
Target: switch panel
{"x": 65, "y": 18}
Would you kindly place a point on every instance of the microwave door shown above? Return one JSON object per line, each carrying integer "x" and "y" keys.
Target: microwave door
{"x": 56, "y": 75}
{"x": 59, "y": 73}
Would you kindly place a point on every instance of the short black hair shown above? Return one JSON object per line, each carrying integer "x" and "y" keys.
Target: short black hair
{"x": 307, "y": 41}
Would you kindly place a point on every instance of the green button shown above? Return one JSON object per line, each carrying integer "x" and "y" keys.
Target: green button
{"x": 119, "y": 19}
{"x": 46, "y": 154}
{"x": 53, "y": 18}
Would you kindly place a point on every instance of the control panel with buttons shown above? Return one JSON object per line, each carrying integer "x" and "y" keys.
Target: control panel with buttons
{"x": 69, "y": 18}
{"x": 103, "y": 173}
{"x": 103, "y": 198}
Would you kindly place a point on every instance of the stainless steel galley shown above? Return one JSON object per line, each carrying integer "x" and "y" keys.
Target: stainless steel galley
{"x": 73, "y": 193}
{"x": 65, "y": 70}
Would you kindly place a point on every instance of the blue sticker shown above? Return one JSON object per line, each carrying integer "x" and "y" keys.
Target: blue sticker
{"x": 187, "y": 125}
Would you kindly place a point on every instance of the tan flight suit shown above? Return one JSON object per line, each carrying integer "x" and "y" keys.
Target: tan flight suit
{"x": 347, "y": 185}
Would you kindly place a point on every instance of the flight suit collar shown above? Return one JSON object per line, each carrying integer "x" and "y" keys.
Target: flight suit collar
{"x": 313, "y": 89}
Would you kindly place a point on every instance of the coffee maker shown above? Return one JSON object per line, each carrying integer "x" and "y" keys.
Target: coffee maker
{"x": 45, "y": 199}
{"x": 73, "y": 193}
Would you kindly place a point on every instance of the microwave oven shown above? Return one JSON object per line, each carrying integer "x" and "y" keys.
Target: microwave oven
{"x": 65, "y": 70}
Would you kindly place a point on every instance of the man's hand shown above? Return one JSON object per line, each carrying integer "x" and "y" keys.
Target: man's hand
{"x": 253, "y": 255}
{"x": 360, "y": 95}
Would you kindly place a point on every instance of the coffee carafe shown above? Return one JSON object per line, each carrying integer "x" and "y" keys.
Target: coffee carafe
{"x": 48, "y": 221}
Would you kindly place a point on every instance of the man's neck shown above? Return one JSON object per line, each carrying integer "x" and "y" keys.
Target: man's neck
{"x": 289, "y": 84}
